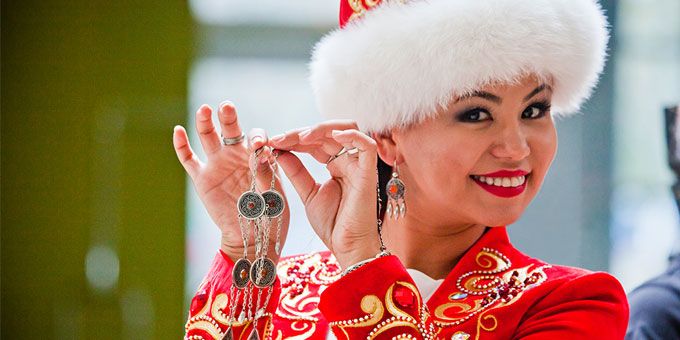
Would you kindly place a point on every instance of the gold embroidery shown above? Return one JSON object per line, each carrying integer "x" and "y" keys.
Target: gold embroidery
{"x": 300, "y": 326}
{"x": 298, "y": 302}
{"x": 464, "y": 308}
{"x": 495, "y": 285}
{"x": 208, "y": 327}
{"x": 373, "y": 307}
{"x": 218, "y": 307}
{"x": 480, "y": 324}
{"x": 303, "y": 279}
{"x": 393, "y": 309}
{"x": 488, "y": 258}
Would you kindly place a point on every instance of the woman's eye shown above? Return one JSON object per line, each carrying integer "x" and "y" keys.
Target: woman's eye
{"x": 474, "y": 115}
{"x": 536, "y": 111}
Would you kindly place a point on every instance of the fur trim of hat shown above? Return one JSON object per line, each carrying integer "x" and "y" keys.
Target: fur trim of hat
{"x": 398, "y": 63}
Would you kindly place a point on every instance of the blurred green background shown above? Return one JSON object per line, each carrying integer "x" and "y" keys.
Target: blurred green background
{"x": 102, "y": 236}
{"x": 90, "y": 93}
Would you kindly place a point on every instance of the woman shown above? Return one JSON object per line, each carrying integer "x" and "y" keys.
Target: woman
{"x": 456, "y": 100}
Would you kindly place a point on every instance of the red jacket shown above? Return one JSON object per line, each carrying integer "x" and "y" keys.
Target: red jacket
{"x": 494, "y": 292}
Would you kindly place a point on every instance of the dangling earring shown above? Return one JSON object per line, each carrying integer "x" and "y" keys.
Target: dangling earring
{"x": 396, "y": 206}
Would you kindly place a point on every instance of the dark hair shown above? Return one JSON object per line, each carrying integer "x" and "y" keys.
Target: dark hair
{"x": 384, "y": 174}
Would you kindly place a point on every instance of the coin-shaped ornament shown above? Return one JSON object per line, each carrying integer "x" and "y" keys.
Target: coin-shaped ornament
{"x": 263, "y": 272}
{"x": 251, "y": 205}
{"x": 274, "y": 203}
{"x": 240, "y": 275}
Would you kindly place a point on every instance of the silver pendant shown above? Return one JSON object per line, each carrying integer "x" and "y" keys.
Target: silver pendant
{"x": 263, "y": 272}
{"x": 274, "y": 203}
{"x": 251, "y": 205}
{"x": 228, "y": 335}
{"x": 277, "y": 247}
{"x": 240, "y": 275}
{"x": 259, "y": 313}
{"x": 242, "y": 316}
{"x": 254, "y": 335}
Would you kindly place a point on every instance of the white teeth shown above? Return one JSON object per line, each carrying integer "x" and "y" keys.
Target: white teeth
{"x": 505, "y": 182}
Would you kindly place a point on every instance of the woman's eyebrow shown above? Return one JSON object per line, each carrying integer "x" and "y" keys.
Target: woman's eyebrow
{"x": 537, "y": 90}
{"x": 485, "y": 95}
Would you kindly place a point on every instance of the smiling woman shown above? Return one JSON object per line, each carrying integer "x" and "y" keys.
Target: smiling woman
{"x": 454, "y": 102}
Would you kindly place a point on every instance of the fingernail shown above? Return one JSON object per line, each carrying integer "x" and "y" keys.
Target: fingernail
{"x": 277, "y": 138}
{"x": 335, "y": 132}
{"x": 256, "y": 139}
{"x": 226, "y": 102}
{"x": 304, "y": 134}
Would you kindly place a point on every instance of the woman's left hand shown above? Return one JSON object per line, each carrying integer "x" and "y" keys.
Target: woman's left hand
{"x": 342, "y": 210}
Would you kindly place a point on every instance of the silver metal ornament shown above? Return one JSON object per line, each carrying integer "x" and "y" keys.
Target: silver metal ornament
{"x": 274, "y": 203}
{"x": 240, "y": 275}
{"x": 251, "y": 205}
{"x": 263, "y": 272}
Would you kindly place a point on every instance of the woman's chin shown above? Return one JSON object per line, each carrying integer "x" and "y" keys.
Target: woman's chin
{"x": 501, "y": 218}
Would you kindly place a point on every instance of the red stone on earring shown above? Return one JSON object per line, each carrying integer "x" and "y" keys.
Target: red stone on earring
{"x": 404, "y": 297}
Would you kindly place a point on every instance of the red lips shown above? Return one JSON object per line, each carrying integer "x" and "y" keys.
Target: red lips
{"x": 505, "y": 192}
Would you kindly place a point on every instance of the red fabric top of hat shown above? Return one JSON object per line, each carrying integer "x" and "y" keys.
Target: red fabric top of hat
{"x": 351, "y": 9}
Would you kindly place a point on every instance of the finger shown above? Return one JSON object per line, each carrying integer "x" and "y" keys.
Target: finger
{"x": 229, "y": 120}
{"x": 326, "y": 144}
{"x": 206, "y": 130}
{"x": 184, "y": 153}
{"x": 260, "y": 157}
{"x": 324, "y": 129}
{"x": 257, "y": 138}
{"x": 299, "y": 176}
{"x": 365, "y": 144}
{"x": 287, "y": 138}
{"x": 314, "y": 150}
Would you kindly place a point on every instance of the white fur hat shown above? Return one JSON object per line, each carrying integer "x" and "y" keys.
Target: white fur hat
{"x": 393, "y": 63}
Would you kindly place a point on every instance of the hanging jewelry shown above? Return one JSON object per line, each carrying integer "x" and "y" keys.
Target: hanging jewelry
{"x": 396, "y": 206}
{"x": 250, "y": 206}
{"x": 275, "y": 204}
{"x": 379, "y": 220}
{"x": 263, "y": 271}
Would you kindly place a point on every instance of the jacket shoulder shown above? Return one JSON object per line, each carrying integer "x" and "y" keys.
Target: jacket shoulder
{"x": 582, "y": 299}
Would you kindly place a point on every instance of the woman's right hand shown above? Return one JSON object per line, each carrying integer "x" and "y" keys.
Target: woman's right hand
{"x": 227, "y": 173}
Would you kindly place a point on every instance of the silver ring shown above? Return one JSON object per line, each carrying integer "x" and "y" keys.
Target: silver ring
{"x": 233, "y": 140}
{"x": 333, "y": 157}
{"x": 343, "y": 151}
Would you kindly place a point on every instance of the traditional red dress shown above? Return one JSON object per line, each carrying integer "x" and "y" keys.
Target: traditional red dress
{"x": 494, "y": 292}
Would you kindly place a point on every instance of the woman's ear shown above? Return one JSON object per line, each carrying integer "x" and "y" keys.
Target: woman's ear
{"x": 387, "y": 148}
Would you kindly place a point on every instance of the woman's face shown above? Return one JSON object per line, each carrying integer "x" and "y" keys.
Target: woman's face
{"x": 482, "y": 159}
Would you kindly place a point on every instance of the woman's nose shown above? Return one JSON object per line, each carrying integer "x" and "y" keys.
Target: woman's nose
{"x": 511, "y": 144}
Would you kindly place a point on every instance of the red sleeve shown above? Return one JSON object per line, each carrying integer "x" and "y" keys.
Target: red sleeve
{"x": 593, "y": 306}
{"x": 378, "y": 300}
{"x": 210, "y": 307}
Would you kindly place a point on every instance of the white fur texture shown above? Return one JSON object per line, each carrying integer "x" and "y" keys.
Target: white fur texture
{"x": 398, "y": 63}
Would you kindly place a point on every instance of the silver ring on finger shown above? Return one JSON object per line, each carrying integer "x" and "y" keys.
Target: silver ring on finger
{"x": 352, "y": 151}
{"x": 333, "y": 157}
{"x": 233, "y": 140}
